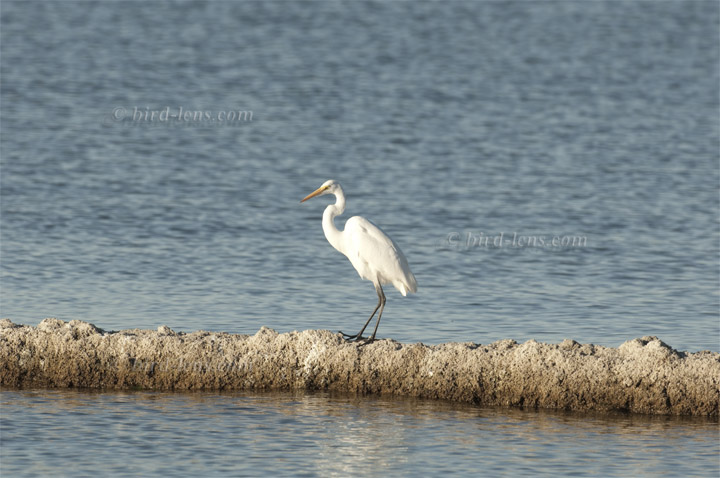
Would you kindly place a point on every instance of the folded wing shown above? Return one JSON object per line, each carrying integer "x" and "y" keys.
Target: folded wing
{"x": 376, "y": 257}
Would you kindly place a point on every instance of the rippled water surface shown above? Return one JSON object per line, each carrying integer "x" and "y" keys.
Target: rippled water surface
{"x": 474, "y": 133}
{"x": 446, "y": 124}
{"x": 147, "y": 433}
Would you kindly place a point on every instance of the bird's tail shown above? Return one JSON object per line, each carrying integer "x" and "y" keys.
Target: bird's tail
{"x": 408, "y": 285}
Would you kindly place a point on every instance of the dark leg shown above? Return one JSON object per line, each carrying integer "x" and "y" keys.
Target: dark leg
{"x": 380, "y": 304}
{"x": 382, "y": 307}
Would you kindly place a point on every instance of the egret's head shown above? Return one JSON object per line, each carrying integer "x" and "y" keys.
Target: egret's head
{"x": 328, "y": 187}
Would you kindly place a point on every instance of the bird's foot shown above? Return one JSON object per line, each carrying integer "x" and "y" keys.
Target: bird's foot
{"x": 348, "y": 336}
{"x": 357, "y": 338}
{"x": 362, "y": 341}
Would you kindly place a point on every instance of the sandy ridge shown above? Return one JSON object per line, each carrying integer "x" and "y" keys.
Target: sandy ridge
{"x": 643, "y": 375}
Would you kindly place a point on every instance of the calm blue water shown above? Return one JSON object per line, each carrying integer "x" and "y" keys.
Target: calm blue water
{"x": 205, "y": 434}
{"x": 448, "y": 125}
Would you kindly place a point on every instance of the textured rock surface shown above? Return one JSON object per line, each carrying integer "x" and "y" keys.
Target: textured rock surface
{"x": 642, "y": 375}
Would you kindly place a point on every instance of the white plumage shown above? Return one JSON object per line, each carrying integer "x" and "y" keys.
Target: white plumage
{"x": 374, "y": 255}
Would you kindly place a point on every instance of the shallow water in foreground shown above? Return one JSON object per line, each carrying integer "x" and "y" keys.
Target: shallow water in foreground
{"x": 262, "y": 434}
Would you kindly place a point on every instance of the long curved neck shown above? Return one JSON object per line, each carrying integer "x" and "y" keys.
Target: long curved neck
{"x": 332, "y": 233}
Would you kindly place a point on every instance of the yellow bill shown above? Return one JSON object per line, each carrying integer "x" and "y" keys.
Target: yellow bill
{"x": 315, "y": 193}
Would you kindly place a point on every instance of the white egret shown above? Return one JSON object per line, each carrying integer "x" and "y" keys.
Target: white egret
{"x": 374, "y": 255}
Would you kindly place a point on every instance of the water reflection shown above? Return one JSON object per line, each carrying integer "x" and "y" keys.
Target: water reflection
{"x": 130, "y": 433}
